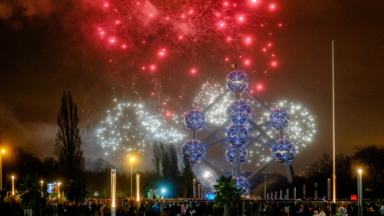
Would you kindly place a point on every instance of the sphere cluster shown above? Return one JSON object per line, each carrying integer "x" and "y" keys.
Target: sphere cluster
{"x": 231, "y": 154}
{"x": 239, "y": 112}
{"x": 194, "y": 119}
{"x": 193, "y": 151}
{"x": 242, "y": 184}
{"x": 279, "y": 118}
{"x": 237, "y": 79}
{"x": 237, "y": 134}
{"x": 283, "y": 150}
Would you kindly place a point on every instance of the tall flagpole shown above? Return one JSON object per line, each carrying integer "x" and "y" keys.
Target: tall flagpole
{"x": 333, "y": 123}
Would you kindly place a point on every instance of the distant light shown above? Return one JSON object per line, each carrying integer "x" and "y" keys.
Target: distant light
{"x": 193, "y": 71}
{"x": 163, "y": 190}
{"x": 42, "y": 181}
{"x": 106, "y": 5}
{"x": 360, "y": 171}
{"x": 132, "y": 159}
{"x": 253, "y": 1}
{"x": 3, "y": 151}
{"x": 153, "y": 93}
{"x": 13, "y": 177}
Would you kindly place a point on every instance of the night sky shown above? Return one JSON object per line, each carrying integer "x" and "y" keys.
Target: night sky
{"x": 44, "y": 50}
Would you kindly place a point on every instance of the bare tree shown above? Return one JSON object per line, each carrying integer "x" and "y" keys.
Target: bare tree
{"x": 68, "y": 140}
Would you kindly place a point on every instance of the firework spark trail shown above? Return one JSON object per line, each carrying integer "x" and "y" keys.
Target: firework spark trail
{"x": 186, "y": 30}
{"x": 300, "y": 131}
{"x": 130, "y": 128}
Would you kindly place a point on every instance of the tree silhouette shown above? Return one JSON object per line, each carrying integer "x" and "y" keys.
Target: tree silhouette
{"x": 227, "y": 193}
{"x": 68, "y": 141}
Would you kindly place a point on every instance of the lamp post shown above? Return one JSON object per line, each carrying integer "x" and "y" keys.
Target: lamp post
{"x": 137, "y": 186}
{"x": 1, "y": 171}
{"x": 360, "y": 192}
{"x": 13, "y": 185}
{"x": 42, "y": 182}
{"x": 113, "y": 192}
{"x": 265, "y": 187}
{"x": 132, "y": 159}
{"x": 58, "y": 192}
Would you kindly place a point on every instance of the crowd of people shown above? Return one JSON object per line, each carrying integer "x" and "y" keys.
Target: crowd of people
{"x": 130, "y": 207}
{"x": 324, "y": 209}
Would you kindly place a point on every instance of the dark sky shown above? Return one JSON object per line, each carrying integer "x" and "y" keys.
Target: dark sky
{"x": 42, "y": 54}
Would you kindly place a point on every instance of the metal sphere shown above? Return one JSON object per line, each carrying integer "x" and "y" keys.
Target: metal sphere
{"x": 279, "y": 118}
{"x": 194, "y": 119}
{"x": 242, "y": 184}
{"x": 193, "y": 151}
{"x": 231, "y": 154}
{"x": 283, "y": 150}
{"x": 237, "y": 134}
{"x": 237, "y": 79}
{"x": 239, "y": 111}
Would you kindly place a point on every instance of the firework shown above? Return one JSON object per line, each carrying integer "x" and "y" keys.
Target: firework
{"x": 300, "y": 130}
{"x": 235, "y": 30}
{"x": 131, "y": 127}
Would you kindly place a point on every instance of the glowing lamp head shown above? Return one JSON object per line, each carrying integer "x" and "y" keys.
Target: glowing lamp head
{"x": 132, "y": 159}
{"x": 13, "y": 177}
{"x": 3, "y": 151}
{"x": 360, "y": 171}
{"x": 163, "y": 190}
{"x": 42, "y": 182}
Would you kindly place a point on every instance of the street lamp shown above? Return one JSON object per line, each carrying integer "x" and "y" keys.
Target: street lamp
{"x": 1, "y": 171}
{"x": 360, "y": 192}
{"x": 132, "y": 159}
{"x": 58, "y": 193}
{"x": 163, "y": 191}
{"x": 42, "y": 182}
{"x": 13, "y": 185}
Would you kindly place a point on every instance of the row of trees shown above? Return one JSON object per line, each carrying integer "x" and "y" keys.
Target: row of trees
{"x": 69, "y": 166}
{"x": 368, "y": 158}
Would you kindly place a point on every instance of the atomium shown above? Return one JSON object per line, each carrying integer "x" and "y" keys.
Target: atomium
{"x": 242, "y": 184}
{"x": 237, "y": 79}
{"x": 194, "y": 119}
{"x": 193, "y": 151}
{"x": 283, "y": 150}
{"x": 231, "y": 154}
{"x": 237, "y": 134}
{"x": 239, "y": 111}
{"x": 279, "y": 118}
{"x": 244, "y": 133}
